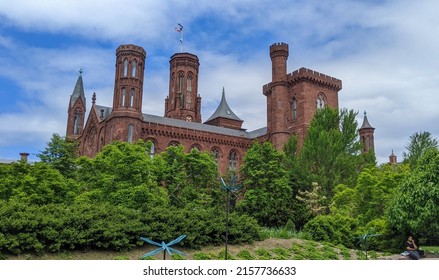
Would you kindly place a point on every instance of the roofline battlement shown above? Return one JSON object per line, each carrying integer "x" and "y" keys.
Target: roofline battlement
{"x": 131, "y": 47}
{"x": 279, "y": 49}
{"x": 314, "y": 76}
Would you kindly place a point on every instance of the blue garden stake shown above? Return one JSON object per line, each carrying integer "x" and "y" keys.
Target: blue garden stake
{"x": 231, "y": 188}
{"x": 165, "y": 247}
{"x": 363, "y": 241}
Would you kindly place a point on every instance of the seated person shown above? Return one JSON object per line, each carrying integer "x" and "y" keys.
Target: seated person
{"x": 413, "y": 252}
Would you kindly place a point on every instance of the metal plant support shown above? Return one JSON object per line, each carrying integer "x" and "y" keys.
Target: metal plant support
{"x": 363, "y": 241}
{"x": 165, "y": 247}
{"x": 232, "y": 188}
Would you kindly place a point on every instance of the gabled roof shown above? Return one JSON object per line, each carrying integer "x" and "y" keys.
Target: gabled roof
{"x": 153, "y": 119}
{"x": 366, "y": 123}
{"x": 224, "y": 111}
{"x": 78, "y": 92}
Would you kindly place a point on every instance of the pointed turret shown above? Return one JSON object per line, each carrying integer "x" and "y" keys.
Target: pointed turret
{"x": 76, "y": 110}
{"x": 367, "y": 135}
{"x": 392, "y": 159}
{"x": 224, "y": 116}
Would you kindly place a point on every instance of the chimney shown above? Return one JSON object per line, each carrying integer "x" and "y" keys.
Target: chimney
{"x": 23, "y": 157}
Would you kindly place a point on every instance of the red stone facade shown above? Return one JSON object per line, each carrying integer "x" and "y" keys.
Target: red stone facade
{"x": 292, "y": 100}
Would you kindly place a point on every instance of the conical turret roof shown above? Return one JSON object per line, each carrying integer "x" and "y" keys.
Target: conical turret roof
{"x": 224, "y": 111}
{"x": 366, "y": 123}
{"x": 78, "y": 91}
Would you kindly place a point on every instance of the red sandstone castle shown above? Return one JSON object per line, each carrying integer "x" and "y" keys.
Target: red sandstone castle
{"x": 292, "y": 100}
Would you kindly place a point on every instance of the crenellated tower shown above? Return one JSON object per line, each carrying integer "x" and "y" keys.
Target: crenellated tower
{"x": 277, "y": 96}
{"x": 76, "y": 111}
{"x": 128, "y": 82}
{"x": 183, "y": 101}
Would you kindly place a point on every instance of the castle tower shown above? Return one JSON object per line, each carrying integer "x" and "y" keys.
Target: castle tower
{"x": 183, "y": 101}
{"x": 366, "y": 135}
{"x": 128, "y": 84}
{"x": 277, "y": 96}
{"x": 76, "y": 111}
{"x": 392, "y": 159}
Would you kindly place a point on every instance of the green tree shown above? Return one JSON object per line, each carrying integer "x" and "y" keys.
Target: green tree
{"x": 37, "y": 183}
{"x": 418, "y": 143}
{"x": 415, "y": 208}
{"x": 61, "y": 154}
{"x": 122, "y": 174}
{"x": 267, "y": 197}
{"x": 331, "y": 151}
{"x": 188, "y": 177}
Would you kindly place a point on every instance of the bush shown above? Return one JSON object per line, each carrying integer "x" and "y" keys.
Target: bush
{"x": 335, "y": 229}
{"x": 57, "y": 227}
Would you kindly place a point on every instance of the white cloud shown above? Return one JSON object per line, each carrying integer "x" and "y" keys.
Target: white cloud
{"x": 384, "y": 51}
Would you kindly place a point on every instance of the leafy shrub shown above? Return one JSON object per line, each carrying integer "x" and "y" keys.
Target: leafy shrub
{"x": 336, "y": 229}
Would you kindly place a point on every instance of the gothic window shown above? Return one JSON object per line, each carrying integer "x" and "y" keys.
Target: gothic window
{"x": 233, "y": 161}
{"x": 196, "y": 147}
{"x": 173, "y": 143}
{"x": 294, "y": 108}
{"x": 188, "y": 101}
{"x": 189, "y": 83}
{"x": 132, "y": 98}
{"x": 77, "y": 121}
{"x": 152, "y": 150}
{"x": 122, "y": 101}
{"x": 180, "y": 82}
{"x": 215, "y": 153}
{"x": 321, "y": 101}
{"x": 134, "y": 69}
{"x": 130, "y": 133}
{"x": 125, "y": 67}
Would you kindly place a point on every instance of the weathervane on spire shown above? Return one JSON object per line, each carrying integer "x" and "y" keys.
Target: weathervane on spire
{"x": 179, "y": 29}
{"x": 80, "y": 71}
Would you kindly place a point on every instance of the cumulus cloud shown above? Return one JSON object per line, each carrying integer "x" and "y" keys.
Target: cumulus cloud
{"x": 383, "y": 51}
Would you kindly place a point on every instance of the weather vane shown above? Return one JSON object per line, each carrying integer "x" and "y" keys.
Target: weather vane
{"x": 165, "y": 247}
{"x": 232, "y": 188}
{"x": 179, "y": 29}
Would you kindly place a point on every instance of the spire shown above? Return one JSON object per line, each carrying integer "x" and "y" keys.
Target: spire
{"x": 78, "y": 92}
{"x": 224, "y": 110}
{"x": 392, "y": 158}
{"x": 366, "y": 123}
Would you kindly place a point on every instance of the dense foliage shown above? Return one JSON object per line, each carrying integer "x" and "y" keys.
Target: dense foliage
{"x": 324, "y": 186}
{"x": 415, "y": 208}
{"x": 109, "y": 201}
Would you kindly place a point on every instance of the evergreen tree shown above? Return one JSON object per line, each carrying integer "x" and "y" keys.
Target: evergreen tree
{"x": 418, "y": 143}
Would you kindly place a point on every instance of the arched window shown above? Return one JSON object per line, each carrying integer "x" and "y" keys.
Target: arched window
{"x": 321, "y": 101}
{"x": 134, "y": 69}
{"x": 180, "y": 82}
{"x": 122, "y": 101}
{"x": 189, "y": 83}
{"x": 77, "y": 121}
{"x": 173, "y": 143}
{"x": 196, "y": 146}
{"x": 294, "y": 108}
{"x": 152, "y": 150}
{"x": 233, "y": 161}
{"x": 130, "y": 133}
{"x": 125, "y": 67}
{"x": 132, "y": 98}
{"x": 216, "y": 154}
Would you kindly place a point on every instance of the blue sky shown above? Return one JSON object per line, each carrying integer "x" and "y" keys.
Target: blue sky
{"x": 385, "y": 52}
